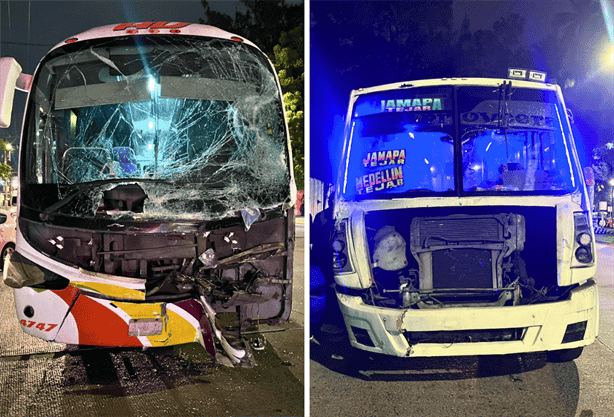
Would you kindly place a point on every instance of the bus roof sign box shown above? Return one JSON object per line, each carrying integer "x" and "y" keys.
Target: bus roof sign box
{"x": 537, "y": 76}
{"x": 520, "y": 74}
{"x": 523, "y": 74}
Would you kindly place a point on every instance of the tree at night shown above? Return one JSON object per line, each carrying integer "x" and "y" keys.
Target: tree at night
{"x": 277, "y": 28}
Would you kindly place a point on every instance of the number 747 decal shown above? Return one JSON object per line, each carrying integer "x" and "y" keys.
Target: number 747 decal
{"x": 39, "y": 326}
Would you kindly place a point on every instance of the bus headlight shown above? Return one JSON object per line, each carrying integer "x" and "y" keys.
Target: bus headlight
{"x": 19, "y": 272}
{"x": 341, "y": 262}
{"x": 583, "y": 248}
{"x": 583, "y": 254}
{"x": 584, "y": 239}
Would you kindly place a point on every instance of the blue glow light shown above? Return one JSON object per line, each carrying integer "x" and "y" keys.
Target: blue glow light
{"x": 606, "y": 9}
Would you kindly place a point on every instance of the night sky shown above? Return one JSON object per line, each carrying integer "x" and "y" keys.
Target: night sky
{"x": 333, "y": 79}
{"x": 339, "y": 65}
{"x": 53, "y": 21}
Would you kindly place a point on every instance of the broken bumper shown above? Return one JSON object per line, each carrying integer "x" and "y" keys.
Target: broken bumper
{"x": 483, "y": 330}
{"x": 73, "y": 317}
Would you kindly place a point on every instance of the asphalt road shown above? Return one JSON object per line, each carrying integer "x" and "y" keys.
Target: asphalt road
{"x": 43, "y": 379}
{"x": 511, "y": 385}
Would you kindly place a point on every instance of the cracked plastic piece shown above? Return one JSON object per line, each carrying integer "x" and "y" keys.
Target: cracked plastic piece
{"x": 235, "y": 355}
{"x": 208, "y": 258}
{"x": 250, "y": 215}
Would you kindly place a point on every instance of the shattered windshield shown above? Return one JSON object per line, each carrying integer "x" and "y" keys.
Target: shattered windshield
{"x": 513, "y": 140}
{"x": 198, "y": 120}
{"x": 401, "y": 143}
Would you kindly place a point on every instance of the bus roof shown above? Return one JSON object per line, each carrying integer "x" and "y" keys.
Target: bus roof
{"x": 146, "y": 28}
{"x": 455, "y": 81}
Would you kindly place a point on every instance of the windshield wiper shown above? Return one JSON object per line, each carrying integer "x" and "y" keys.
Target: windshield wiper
{"x": 503, "y": 123}
{"x": 76, "y": 189}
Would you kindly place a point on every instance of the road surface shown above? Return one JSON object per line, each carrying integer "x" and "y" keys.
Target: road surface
{"x": 42, "y": 379}
{"x": 487, "y": 386}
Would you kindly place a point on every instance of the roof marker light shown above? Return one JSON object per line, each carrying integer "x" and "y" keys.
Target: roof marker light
{"x": 71, "y": 40}
{"x": 537, "y": 76}
{"x": 523, "y": 74}
{"x": 236, "y": 39}
{"x": 517, "y": 73}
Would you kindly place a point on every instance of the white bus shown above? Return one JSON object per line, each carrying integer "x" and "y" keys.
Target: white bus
{"x": 156, "y": 188}
{"x": 462, "y": 223}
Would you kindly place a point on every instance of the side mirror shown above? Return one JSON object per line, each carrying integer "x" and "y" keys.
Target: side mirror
{"x": 11, "y": 78}
{"x": 2, "y": 218}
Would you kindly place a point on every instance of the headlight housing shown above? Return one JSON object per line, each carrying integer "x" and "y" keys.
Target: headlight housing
{"x": 583, "y": 242}
{"x": 341, "y": 262}
{"x": 20, "y": 272}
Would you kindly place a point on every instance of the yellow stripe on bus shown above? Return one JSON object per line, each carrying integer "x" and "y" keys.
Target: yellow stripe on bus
{"x": 176, "y": 330}
{"x": 110, "y": 290}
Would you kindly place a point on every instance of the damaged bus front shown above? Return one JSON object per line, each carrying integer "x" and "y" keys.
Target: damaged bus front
{"x": 156, "y": 189}
{"x": 462, "y": 224}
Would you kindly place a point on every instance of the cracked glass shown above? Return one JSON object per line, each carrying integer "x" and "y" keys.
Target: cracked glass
{"x": 527, "y": 150}
{"x": 196, "y": 122}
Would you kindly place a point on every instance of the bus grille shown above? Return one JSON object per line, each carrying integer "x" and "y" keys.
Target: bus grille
{"x": 459, "y": 229}
{"x": 466, "y": 336}
{"x": 462, "y": 268}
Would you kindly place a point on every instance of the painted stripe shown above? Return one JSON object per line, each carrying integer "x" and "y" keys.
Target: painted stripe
{"x": 121, "y": 313}
{"x": 110, "y": 290}
{"x": 179, "y": 328}
{"x": 90, "y": 276}
{"x": 100, "y": 324}
{"x": 184, "y": 315}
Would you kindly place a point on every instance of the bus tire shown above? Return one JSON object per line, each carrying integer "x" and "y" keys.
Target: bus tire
{"x": 565, "y": 355}
{"x": 9, "y": 247}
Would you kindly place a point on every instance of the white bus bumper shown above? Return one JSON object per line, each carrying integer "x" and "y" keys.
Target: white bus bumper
{"x": 544, "y": 326}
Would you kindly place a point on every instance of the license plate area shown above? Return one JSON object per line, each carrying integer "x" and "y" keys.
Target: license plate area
{"x": 145, "y": 327}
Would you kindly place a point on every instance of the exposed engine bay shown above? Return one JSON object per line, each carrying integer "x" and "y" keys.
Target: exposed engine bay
{"x": 487, "y": 256}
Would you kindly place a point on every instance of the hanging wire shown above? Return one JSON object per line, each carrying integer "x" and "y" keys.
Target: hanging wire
{"x": 10, "y": 27}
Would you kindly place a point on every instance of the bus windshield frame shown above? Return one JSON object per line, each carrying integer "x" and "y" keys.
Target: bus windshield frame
{"x": 458, "y": 140}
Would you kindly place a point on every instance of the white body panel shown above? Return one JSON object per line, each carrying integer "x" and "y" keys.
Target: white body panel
{"x": 545, "y": 325}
